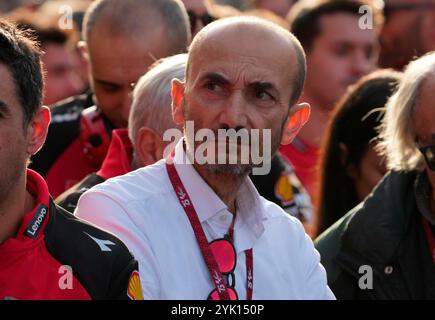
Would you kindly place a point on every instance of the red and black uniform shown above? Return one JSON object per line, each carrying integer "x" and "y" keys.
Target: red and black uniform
{"x": 57, "y": 256}
{"x": 117, "y": 162}
{"x": 65, "y": 158}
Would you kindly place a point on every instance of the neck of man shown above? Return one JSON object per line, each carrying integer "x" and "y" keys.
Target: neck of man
{"x": 13, "y": 208}
{"x": 313, "y": 131}
{"x": 225, "y": 185}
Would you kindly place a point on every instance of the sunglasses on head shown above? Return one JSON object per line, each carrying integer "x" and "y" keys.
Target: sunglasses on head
{"x": 204, "y": 18}
{"x": 226, "y": 258}
{"x": 429, "y": 155}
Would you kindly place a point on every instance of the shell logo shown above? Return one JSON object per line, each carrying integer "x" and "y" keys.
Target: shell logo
{"x": 284, "y": 190}
{"x": 134, "y": 290}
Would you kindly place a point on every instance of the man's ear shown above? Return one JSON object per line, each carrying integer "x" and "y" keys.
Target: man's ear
{"x": 148, "y": 147}
{"x": 37, "y": 130}
{"x": 83, "y": 48}
{"x": 298, "y": 117}
{"x": 177, "y": 101}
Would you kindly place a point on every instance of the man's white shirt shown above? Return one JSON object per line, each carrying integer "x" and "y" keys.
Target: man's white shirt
{"x": 142, "y": 209}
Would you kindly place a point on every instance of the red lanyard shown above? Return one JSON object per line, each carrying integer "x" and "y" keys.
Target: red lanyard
{"x": 430, "y": 238}
{"x": 213, "y": 269}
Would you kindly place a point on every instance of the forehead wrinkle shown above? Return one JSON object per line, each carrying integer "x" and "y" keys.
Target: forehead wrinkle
{"x": 246, "y": 70}
{"x": 245, "y": 52}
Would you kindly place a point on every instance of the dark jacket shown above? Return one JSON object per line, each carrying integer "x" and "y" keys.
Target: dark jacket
{"x": 385, "y": 233}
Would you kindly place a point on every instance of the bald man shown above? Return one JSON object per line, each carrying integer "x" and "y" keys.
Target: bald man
{"x": 121, "y": 40}
{"x": 199, "y": 229}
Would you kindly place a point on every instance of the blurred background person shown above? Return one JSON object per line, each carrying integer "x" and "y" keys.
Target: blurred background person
{"x": 64, "y": 68}
{"x": 142, "y": 143}
{"x": 350, "y": 167}
{"x": 339, "y": 53}
{"x": 121, "y": 40}
{"x": 393, "y": 231}
{"x": 199, "y": 16}
{"x": 408, "y": 32}
{"x": 55, "y": 12}
{"x": 60, "y": 65}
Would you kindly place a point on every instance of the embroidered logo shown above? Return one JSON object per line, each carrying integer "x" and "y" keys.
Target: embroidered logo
{"x": 36, "y": 222}
{"x": 103, "y": 244}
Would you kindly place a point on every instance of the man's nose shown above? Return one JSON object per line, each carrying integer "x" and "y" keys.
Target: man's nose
{"x": 234, "y": 113}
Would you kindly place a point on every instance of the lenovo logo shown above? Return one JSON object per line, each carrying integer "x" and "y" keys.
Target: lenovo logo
{"x": 36, "y": 222}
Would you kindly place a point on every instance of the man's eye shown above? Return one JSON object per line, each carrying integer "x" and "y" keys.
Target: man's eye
{"x": 341, "y": 51}
{"x": 212, "y": 86}
{"x": 263, "y": 95}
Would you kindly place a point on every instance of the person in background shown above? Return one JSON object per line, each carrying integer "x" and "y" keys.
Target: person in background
{"x": 350, "y": 167}
{"x": 199, "y": 15}
{"x": 59, "y": 13}
{"x": 392, "y": 233}
{"x": 121, "y": 40}
{"x": 339, "y": 53}
{"x": 61, "y": 79}
{"x": 142, "y": 143}
{"x": 60, "y": 60}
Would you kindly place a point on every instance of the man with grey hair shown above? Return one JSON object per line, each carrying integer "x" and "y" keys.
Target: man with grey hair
{"x": 142, "y": 144}
{"x": 201, "y": 230}
{"x": 122, "y": 39}
{"x": 385, "y": 247}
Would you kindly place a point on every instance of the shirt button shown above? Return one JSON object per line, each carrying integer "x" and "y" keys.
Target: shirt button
{"x": 388, "y": 270}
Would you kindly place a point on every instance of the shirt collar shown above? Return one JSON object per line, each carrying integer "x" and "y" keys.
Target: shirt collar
{"x": 119, "y": 156}
{"x": 250, "y": 211}
{"x": 35, "y": 221}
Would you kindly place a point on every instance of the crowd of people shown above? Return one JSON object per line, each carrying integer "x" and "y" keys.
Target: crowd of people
{"x": 112, "y": 184}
